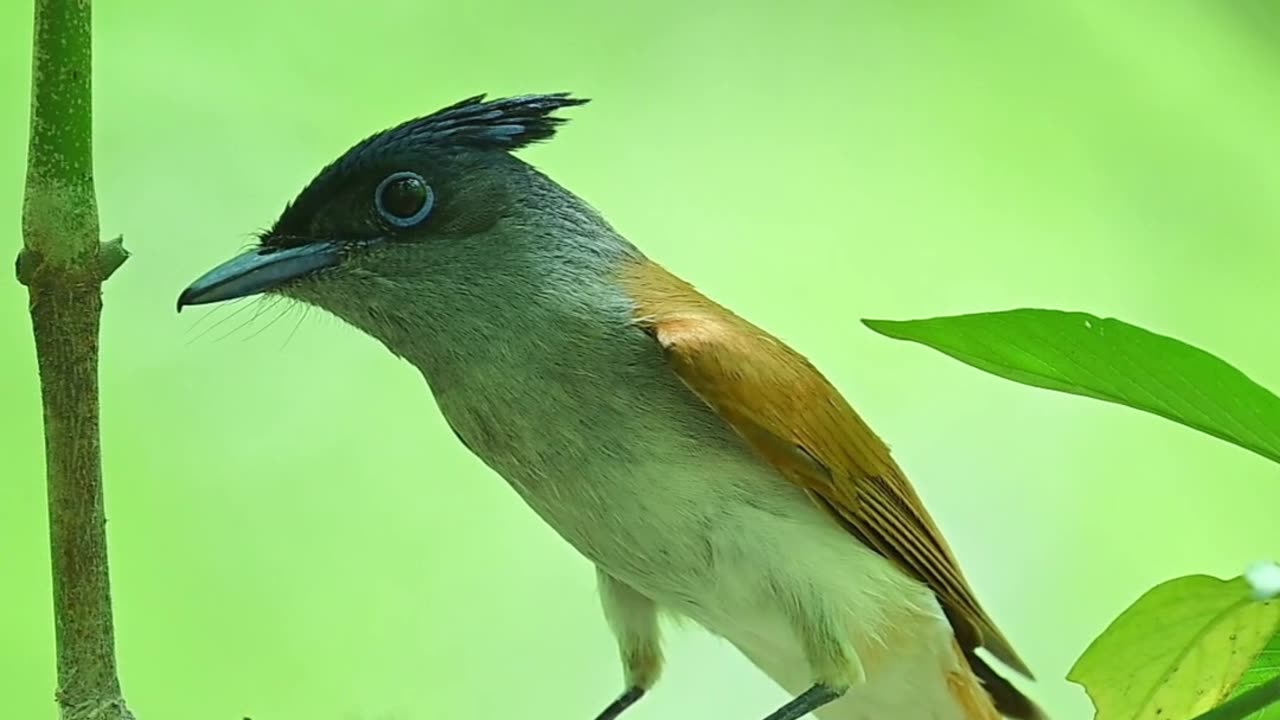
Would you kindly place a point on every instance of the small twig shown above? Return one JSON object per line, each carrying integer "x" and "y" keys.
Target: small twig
{"x": 111, "y": 256}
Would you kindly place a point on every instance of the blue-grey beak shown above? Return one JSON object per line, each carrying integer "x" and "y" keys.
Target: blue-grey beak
{"x": 258, "y": 271}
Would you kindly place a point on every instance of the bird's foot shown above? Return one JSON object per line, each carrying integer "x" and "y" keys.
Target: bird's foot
{"x": 805, "y": 703}
{"x": 624, "y": 701}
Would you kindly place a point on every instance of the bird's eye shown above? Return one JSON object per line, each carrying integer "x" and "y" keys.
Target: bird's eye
{"x": 404, "y": 199}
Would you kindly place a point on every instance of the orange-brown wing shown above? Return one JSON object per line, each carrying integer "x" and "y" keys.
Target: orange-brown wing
{"x": 794, "y": 418}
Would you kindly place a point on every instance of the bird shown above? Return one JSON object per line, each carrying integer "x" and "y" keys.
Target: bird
{"x": 708, "y": 470}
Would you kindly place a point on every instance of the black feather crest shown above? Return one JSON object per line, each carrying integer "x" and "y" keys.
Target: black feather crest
{"x": 508, "y": 123}
{"x": 503, "y": 124}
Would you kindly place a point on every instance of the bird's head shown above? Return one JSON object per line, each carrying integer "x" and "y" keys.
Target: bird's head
{"x": 423, "y": 221}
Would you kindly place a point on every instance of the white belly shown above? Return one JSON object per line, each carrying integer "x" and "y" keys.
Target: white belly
{"x": 669, "y": 501}
{"x": 717, "y": 537}
{"x": 898, "y": 628}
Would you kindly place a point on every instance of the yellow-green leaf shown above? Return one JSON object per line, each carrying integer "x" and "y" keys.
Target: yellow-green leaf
{"x": 1178, "y": 651}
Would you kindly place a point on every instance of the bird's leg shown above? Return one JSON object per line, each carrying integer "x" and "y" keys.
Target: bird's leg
{"x": 832, "y": 659}
{"x": 623, "y": 701}
{"x": 805, "y": 703}
{"x": 634, "y": 621}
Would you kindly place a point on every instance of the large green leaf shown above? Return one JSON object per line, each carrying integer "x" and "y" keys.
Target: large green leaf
{"x": 1178, "y": 651}
{"x": 1109, "y": 360}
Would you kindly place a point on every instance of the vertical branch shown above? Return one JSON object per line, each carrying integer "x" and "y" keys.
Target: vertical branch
{"x": 63, "y": 265}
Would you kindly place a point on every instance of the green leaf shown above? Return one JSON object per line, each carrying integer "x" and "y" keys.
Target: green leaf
{"x": 1178, "y": 651}
{"x": 1109, "y": 360}
{"x": 1264, "y": 668}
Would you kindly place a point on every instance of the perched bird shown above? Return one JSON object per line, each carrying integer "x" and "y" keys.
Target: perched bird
{"x": 706, "y": 468}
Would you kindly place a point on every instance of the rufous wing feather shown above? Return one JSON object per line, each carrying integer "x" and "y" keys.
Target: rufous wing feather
{"x": 796, "y": 420}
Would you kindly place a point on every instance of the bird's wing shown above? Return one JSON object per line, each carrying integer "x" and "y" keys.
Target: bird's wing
{"x": 797, "y": 421}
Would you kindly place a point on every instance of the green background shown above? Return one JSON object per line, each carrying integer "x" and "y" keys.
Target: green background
{"x": 296, "y": 534}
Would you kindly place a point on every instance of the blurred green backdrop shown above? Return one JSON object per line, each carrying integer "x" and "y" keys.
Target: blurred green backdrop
{"x": 295, "y": 533}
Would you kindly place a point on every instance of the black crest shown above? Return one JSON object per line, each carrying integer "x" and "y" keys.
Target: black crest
{"x": 503, "y": 124}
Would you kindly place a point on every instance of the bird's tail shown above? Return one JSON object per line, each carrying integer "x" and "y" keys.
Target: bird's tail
{"x": 1009, "y": 700}
{"x": 965, "y": 686}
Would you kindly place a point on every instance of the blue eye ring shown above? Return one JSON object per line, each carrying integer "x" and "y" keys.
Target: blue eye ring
{"x": 404, "y": 199}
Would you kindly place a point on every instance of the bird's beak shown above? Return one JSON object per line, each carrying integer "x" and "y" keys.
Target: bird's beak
{"x": 258, "y": 271}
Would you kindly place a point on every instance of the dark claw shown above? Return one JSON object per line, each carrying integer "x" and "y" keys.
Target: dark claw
{"x": 808, "y": 701}
{"x": 624, "y": 701}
